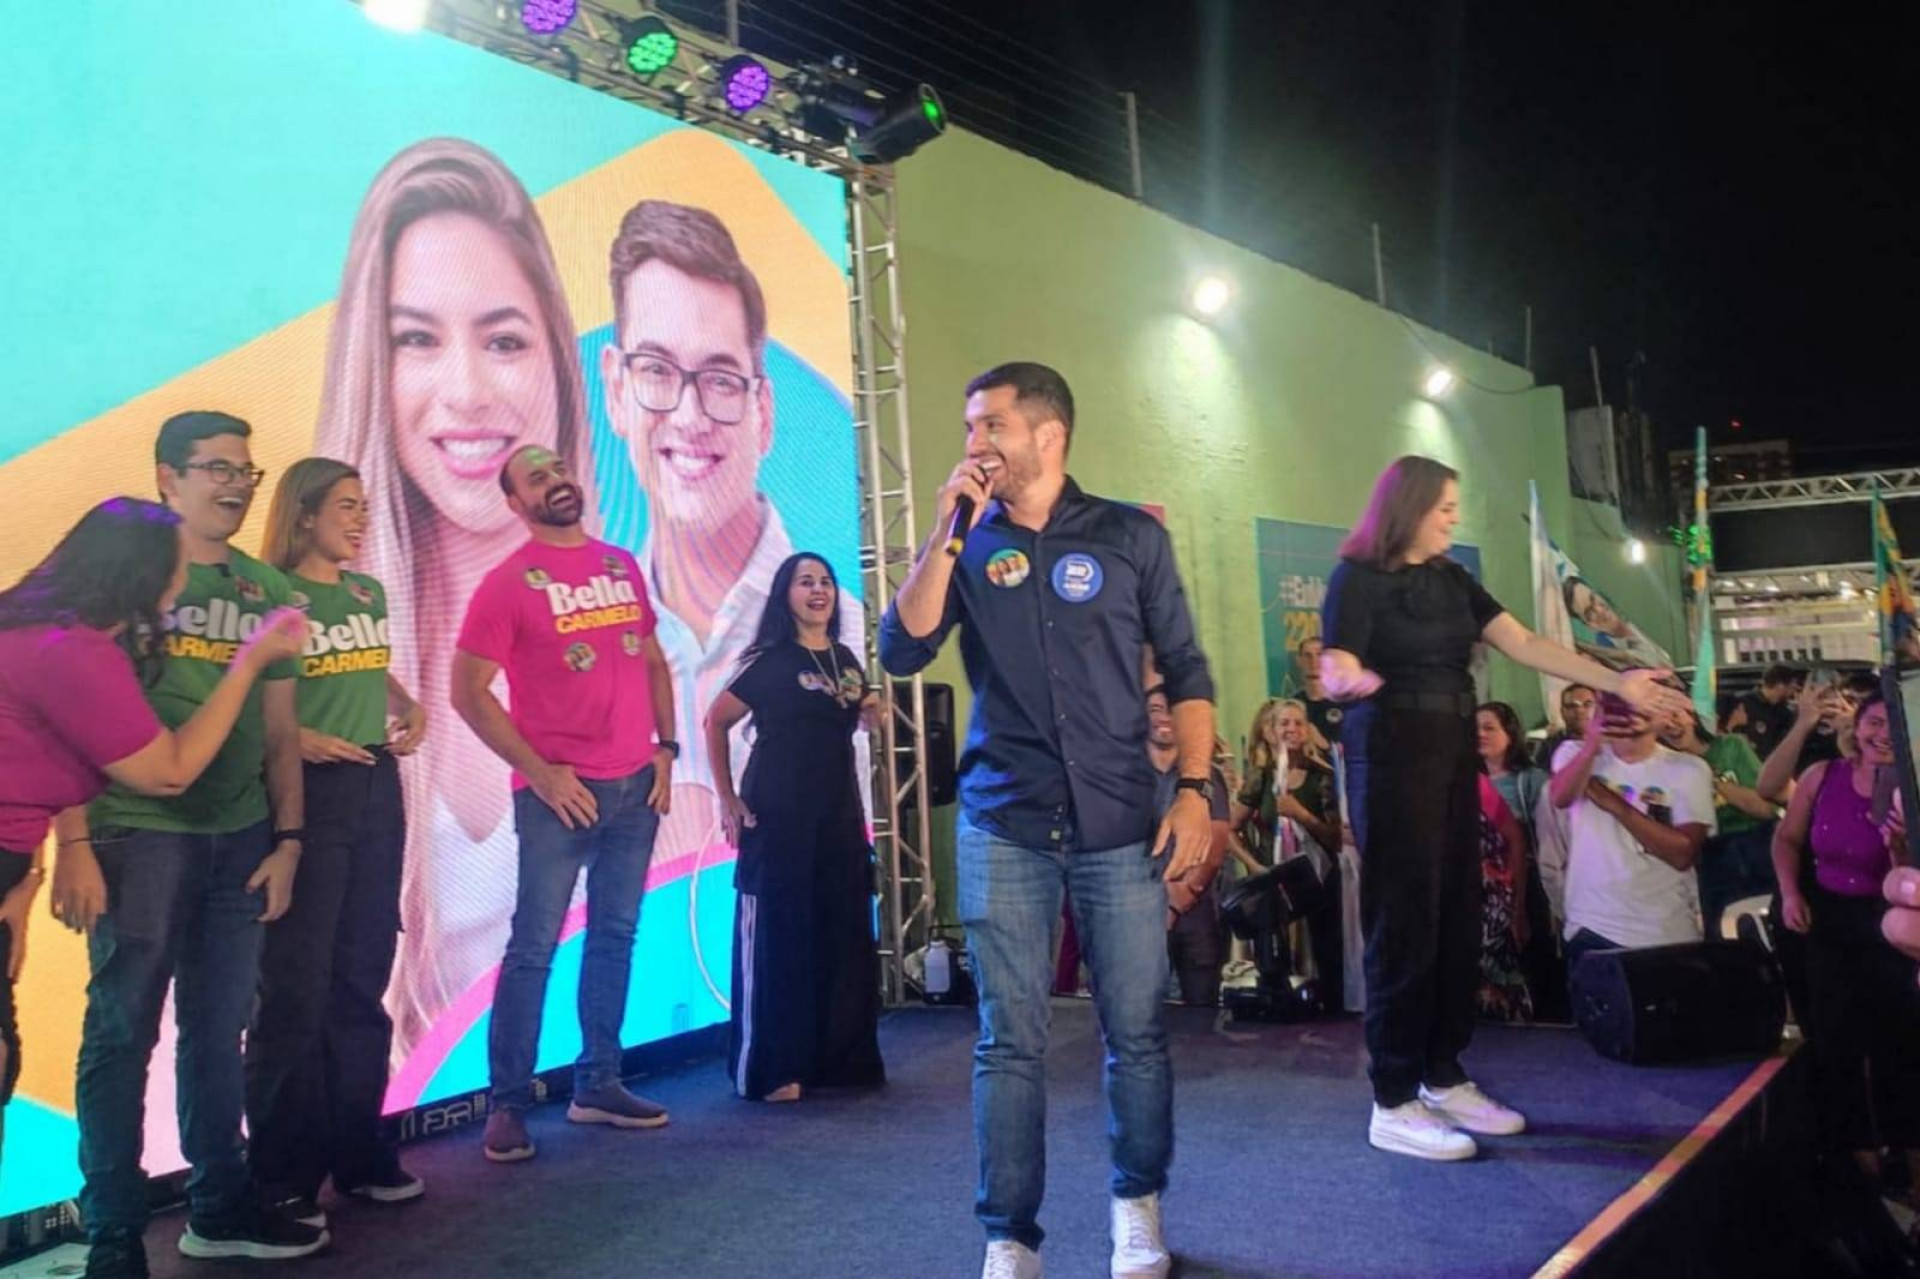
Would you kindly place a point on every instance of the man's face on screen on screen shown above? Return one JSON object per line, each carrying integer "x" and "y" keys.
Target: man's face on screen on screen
{"x": 686, "y": 392}
{"x": 214, "y": 490}
{"x": 472, "y": 372}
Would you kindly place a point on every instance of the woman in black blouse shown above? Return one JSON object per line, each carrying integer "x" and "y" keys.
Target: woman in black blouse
{"x": 1399, "y": 623}
{"x": 806, "y": 983}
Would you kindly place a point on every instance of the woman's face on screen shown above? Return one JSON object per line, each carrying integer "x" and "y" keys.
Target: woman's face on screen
{"x": 473, "y": 375}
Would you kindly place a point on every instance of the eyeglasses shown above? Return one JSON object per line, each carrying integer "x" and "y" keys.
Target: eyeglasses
{"x": 226, "y": 472}
{"x": 659, "y": 385}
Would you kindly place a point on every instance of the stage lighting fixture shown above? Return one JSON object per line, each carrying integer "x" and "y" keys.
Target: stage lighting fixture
{"x": 545, "y": 17}
{"x": 398, "y": 15}
{"x": 1210, "y": 296}
{"x": 1439, "y": 382}
{"x": 1636, "y": 551}
{"x": 651, "y": 46}
{"x": 839, "y": 110}
{"x": 745, "y": 82}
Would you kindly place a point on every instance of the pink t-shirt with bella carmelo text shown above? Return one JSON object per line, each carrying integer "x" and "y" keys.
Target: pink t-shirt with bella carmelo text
{"x": 70, "y": 704}
{"x": 567, "y": 624}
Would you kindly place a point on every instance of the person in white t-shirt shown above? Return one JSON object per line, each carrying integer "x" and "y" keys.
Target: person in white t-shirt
{"x": 1638, "y": 815}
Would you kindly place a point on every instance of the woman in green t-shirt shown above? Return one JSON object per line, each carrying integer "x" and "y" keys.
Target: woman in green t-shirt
{"x": 318, "y": 1048}
{"x": 1738, "y": 861}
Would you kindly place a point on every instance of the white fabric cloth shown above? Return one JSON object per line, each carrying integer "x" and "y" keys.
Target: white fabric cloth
{"x": 1614, "y": 887}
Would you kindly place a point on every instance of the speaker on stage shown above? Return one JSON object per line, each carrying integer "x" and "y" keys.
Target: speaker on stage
{"x": 941, "y": 769}
{"x": 1688, "y": 1002}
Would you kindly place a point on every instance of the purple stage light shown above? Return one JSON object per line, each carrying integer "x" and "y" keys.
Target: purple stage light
{"x": 544, "y": 17}
{"x": 746, "y": 82}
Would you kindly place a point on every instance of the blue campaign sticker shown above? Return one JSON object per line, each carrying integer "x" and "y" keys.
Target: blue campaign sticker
{"x": 1077, "y": 578}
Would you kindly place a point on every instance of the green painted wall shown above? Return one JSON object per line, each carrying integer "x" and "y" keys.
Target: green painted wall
{"x": 1286, "y": 407}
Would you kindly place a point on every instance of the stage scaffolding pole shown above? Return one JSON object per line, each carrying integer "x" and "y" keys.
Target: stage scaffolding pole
{"x": 902, "y": 823}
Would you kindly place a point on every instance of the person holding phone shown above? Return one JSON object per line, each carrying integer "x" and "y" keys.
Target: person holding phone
{"x": 1400, "y": 623}
{"x": 1864, "y": 1005}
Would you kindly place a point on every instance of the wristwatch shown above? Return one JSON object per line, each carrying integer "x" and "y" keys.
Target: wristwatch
{"x": 668, "y": 744}
{"x": 1201, "y": 786}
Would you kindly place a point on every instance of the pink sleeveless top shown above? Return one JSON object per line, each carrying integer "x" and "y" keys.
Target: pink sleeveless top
{"x": 1849, "y": 853}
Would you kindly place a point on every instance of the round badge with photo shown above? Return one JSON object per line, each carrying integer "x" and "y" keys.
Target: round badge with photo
{"x": 1008, "y": 567}
{"x": 614, "y": 565}
{"x": 630, "y": 643}
{"x": 1078, "y": 577}
{"x": 537, "y": 578}
{"x": 580, "y": 657}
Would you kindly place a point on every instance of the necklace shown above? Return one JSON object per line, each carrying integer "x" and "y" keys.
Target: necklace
{"x": 833, "y": 679}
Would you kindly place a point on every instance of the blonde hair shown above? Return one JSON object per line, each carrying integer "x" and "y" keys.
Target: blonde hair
{"x": 299, "y": 494}
{"x": 439, "y": 175}
{"x": 1259, "y": 754}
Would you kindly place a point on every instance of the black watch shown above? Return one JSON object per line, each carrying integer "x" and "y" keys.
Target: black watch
{"x": 295, "y": 834}
{"x": 1201, "y": 786}
{"x": 668, "y": 744}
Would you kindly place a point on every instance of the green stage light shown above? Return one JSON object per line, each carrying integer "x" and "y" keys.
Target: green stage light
{"x": 651, "y": 47}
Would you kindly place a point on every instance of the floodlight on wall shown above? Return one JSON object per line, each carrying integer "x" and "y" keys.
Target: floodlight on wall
{"x": 547, "y": 17}
{"x": 397, "y": 15}
{"x": 651, "y": 46}
{"x": 1439, "y": 382}
{"x": 1210, "y": 296}
{"x": 1636, "y": 551}
{"x": 744, "y": 82}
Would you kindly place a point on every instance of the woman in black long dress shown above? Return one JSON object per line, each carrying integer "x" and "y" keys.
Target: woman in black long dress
{"x": 806, "y": 992}
{"x": 1399, "y": 624}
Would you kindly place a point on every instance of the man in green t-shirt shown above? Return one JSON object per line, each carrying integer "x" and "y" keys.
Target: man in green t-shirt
{"x": 188, "y": 882}
{"x": 1737, "y": 861}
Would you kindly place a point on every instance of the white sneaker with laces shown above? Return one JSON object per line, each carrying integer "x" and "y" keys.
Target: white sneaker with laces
{"x": 1009, "y": 1260}
{"x": 1465, "y": 1106}
{"x": 1139, "y": 1252}
{"x": 1413, "y": 1129}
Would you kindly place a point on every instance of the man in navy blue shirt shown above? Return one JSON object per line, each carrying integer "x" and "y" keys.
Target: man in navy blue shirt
{"x": 1057, "y": 595}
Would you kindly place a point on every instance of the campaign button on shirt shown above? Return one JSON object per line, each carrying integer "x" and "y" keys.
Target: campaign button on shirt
{"x": 1077, "y": 577}
{"x": 1008, "y": 567}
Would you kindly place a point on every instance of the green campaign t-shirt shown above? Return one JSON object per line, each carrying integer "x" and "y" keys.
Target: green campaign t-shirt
{"x": 343, "y": 671}
{"x": 222, "y": 605}
{"x": 1732, "y": 756}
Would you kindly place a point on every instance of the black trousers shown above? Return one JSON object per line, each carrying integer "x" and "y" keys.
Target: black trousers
{"x": 13, "y": 869}
{"x": 317, "y": 1050}
{"x": 806, "y": 984}
{"x": 1411, "y": 790}
{"x": 1197, "y": 949}
{"x": 1865, "y": 1032}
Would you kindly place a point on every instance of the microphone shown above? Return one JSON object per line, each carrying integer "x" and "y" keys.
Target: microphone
{"x": 962, "y": 522}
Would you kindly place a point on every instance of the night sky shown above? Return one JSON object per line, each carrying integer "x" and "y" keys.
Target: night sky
{"x": 1705, "y": 192}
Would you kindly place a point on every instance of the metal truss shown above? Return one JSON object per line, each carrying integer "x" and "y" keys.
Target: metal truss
{"x": 1813, "y": 490}
{"x": 890, "y": 538}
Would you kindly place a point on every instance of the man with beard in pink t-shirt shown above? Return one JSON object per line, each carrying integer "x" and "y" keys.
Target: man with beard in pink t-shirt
{"x": 590, "y": 738}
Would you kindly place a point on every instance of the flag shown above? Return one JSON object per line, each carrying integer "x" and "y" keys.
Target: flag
{"x": 1572, "y": 611}
{"x": 1893, "y": 590}
{"x": 1700, "y": 560}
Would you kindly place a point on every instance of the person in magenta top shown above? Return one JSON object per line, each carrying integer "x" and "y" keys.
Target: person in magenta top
{"x": 73, "y": 714}
{"x": 590, "y": 741}
{"x": 1864, "y": 1005}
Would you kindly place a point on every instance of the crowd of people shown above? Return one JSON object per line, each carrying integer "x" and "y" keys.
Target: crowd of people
{"x": 212, "y": 739}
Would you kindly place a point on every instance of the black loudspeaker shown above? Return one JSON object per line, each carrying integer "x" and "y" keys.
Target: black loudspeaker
{"x": 941, "y": 786}
{"x": 1694, "y": 1001}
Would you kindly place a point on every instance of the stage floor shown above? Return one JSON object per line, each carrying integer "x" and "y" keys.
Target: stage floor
{"x": 1272, "y": 1175}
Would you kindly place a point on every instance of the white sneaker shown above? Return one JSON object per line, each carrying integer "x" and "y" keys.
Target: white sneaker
{"x": 1009, "y": 1260}
{"x": 1415, "y": 1130}
{"x": 1465, "y": 1106}
{"x": 1138, "y": 1250}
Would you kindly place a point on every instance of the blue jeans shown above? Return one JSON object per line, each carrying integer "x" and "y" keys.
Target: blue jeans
{"x": 177, "y": 909}
{"x": 615, "y": 852}
{"x": 1010, "y": 899}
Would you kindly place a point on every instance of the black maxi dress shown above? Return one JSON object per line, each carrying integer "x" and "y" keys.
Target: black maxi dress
{"x": 806, "y": 982}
